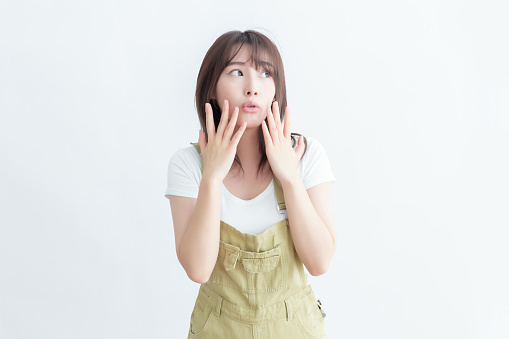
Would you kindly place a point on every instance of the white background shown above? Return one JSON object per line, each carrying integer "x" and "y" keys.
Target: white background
{"x": 409, "y": 99}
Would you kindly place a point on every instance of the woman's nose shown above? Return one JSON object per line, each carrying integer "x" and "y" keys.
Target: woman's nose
{"x": 251, "y": 86}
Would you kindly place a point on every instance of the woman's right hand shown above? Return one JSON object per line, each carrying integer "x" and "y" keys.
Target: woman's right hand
{"x": 219, "y": 152}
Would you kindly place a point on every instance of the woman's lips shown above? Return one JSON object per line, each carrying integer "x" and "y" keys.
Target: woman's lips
{"x": 250, "y": 107}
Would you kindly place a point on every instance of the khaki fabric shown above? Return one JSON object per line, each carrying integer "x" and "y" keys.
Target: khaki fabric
{"x": 258, "y": 288}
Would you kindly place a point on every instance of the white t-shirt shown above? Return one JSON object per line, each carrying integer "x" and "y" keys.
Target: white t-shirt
{"x": 248, "y": 216}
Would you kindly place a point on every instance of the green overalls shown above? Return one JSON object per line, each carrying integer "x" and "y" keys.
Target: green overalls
{"x": 258, "y": 288}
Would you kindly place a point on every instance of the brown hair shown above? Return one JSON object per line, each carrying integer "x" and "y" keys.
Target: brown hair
{"x": 222, "y": 51}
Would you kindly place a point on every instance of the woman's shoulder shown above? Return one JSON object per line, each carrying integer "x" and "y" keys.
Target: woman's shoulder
{"x": 186, "y": 156}
{"x": 314, "y": 166}
{"x": 184, "y": 173}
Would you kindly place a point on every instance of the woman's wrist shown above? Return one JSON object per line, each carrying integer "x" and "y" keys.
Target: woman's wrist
{"x": 210, "y": 179}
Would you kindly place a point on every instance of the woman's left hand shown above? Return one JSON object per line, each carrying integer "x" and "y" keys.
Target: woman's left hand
{"x": 283, "y": 159}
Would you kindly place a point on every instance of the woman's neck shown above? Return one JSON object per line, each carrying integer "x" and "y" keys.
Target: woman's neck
{"x": 249, "y": 153}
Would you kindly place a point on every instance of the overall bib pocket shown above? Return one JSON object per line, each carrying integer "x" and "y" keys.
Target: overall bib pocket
{"x": 251, "y": 272}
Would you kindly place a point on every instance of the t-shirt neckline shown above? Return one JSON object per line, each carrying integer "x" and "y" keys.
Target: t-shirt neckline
{"x": 251, "y": 201}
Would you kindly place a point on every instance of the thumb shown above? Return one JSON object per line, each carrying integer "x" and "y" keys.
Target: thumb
{"x": 201, "y": 140}
{"x": 300, "y": 147}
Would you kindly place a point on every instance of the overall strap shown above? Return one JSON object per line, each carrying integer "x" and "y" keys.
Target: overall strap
{"x": 281, "y": 206}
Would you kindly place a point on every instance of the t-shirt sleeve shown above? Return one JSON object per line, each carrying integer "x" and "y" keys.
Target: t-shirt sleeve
{"x": 314, "y": 165}
{"x": 184, "y": 173}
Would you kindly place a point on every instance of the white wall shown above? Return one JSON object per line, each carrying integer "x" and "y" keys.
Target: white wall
{"x": 409, "y": 98}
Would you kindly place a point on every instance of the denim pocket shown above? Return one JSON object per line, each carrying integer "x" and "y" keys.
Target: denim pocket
{"x": 251, "y": 272}
{"x": 311, "y": 319}
{"x": 200, "y": 318}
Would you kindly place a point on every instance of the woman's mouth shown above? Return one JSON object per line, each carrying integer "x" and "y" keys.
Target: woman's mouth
{"x": 250, "y": 107}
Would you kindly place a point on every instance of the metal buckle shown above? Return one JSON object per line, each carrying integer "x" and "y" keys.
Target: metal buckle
{"x": 282, "y": 211}
{"x": 321, "y": 307}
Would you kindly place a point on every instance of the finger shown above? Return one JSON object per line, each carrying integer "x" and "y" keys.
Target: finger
{"x": 277, "y": 119}
{"x": 238, "y": 135}
{"x": 231, "y": 125}
{"x": 288, "y": 123}
{"x": 201, "y": 140}
{"x": 299, "y": 150}
{"x": 272, "y": 127}
{"x": 209, "y": 116}
{"x": 266, "y": 136}
{"x": 224, "y": 119}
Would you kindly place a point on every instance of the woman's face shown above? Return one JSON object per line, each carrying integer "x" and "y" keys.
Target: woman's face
{"x": 251, "y": 90}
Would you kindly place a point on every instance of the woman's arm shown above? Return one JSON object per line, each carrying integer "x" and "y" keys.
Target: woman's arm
{"x": 311, "y": 220}
{"x": 197, "y": 221}
{"x": 309, "y": 212}
{"x": 196, "y": 224}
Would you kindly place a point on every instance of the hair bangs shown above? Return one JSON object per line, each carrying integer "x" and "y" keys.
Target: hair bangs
{"x": 263, "y": 55}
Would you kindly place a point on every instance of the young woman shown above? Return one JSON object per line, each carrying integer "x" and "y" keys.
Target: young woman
{"x": 251, "y": 205}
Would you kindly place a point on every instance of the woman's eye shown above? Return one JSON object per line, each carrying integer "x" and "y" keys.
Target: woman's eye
{"x": 236, "y": 72}
{"x": 266, "y": 74}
